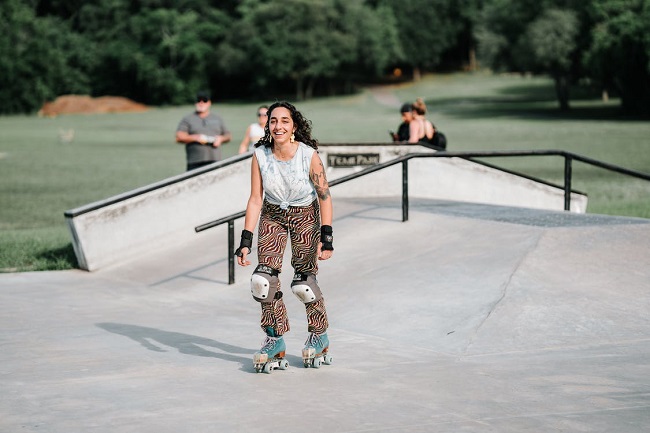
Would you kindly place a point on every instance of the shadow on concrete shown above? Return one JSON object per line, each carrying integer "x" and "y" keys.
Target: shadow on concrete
{"x": 504, "y": 214}
{"x": 525, "y": 216}
{"x": 192, "y": 274}
{"x": 185, "y": 343}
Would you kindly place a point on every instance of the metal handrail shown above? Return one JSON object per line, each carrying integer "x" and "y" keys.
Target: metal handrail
{"x": 72, "y": 213}
{"x": 569, "y": 157}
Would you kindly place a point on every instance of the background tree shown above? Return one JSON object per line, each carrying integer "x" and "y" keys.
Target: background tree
{"x": 40, "y": 58}
{"x": 620, "y": 54}
{"x": 466, "y": 13}
{"x": 161, "y": 51}
{"x": 501, "y": 25}
{"x": 154, "y": 55}
{"x": 378, "y": 45}
{"x": 539, "y": 36}
{"x": 306, "y": 41}
{"x": 547, "y": 46}
{"x": 426, "y": 30}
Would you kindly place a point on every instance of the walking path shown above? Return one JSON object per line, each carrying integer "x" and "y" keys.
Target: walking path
{"x": 467, "y": 317}
{"x": 384, "y": 95}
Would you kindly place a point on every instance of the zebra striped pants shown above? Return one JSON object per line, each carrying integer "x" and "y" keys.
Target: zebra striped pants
{"x": 302, "y": 226}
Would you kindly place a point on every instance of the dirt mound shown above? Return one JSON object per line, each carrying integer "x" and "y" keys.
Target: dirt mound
{"x": 84, "y": 104}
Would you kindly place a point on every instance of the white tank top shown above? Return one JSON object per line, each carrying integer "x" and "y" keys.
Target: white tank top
{"x": 287, "y": 183}
{"x": 256, "y": 133}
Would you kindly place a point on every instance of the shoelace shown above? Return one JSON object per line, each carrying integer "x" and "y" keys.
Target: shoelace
{"x": 269, "y": 343}
{"x": 313, "y": 340}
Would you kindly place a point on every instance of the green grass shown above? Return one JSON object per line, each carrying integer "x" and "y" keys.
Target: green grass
{"x": 41, "y": 177}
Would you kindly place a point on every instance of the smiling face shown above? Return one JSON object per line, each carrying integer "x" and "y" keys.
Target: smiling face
{"x": 281, "y": 125}
{"x": 262, "y": 116}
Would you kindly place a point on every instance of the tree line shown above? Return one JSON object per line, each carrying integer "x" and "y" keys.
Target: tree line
{"x": 161, "y": 51}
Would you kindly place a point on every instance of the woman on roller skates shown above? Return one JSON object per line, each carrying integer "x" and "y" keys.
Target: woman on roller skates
{"x": 291, "y": 198}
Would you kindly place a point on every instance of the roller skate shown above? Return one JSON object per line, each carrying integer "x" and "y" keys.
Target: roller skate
{"x": 271, "y": 355}
{"x": 315, "y": 352}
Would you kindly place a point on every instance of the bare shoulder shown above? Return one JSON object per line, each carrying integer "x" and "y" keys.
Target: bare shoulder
{"x": 316, "y": 166}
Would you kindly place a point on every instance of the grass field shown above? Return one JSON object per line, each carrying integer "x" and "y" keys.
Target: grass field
{"x": 41, "y": 177}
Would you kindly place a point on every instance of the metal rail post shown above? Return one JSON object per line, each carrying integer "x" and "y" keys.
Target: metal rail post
{"x": 231, "y": 249}
{"x": 405, "y": 190}
{"x": 567, "y": 182}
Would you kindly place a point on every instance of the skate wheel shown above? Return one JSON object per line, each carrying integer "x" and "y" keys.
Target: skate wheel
{"x": 316, "y": 363}
{"x": 327, "y": 359}
{"x": 306, "y": 364}
{"x": 284, "y": 364}
{"x": 267, "y": 368}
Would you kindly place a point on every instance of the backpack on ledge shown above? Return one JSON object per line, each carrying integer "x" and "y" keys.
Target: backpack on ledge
{"x": 439, "y": 140}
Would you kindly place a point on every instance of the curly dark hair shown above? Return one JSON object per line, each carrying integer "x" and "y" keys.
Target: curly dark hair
{"x": 303, "y": 126}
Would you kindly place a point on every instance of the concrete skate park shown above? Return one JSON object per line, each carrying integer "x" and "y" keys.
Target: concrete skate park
{"x": 490, "y": 308}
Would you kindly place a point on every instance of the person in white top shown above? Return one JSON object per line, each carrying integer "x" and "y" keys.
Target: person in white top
{"x": 291, "y": 198}
{"x": 255, "y": 131}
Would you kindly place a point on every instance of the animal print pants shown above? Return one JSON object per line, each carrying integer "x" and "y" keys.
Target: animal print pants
{"x": 302, "y": 226}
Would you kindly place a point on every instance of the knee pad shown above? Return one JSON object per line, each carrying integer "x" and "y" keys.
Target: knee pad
{"x": 265, "y": 284}
{"x": 305, "y": 287}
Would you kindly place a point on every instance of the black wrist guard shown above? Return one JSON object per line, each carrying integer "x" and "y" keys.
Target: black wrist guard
{"x": 326, "y": 238}
{"x": 246, "y": 242}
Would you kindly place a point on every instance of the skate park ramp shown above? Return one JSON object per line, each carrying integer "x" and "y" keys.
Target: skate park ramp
{"x": 465, "y": 318}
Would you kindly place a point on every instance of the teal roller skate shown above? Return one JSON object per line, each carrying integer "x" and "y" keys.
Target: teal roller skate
{"x": 271, "y": 355}
{"x": 315, "y": 352}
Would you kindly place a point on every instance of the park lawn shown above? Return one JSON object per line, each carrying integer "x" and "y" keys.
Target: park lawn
{"x": 41, "y": 177}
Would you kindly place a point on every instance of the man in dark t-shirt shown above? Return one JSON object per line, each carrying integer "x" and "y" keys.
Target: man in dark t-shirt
{"x": 403, "y": 132}
{"x": 202, "y": 133}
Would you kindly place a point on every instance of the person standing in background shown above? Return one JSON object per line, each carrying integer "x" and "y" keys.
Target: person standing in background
{"x": 255, "y": 131}
{"x": 404, "y": 130}
{"x": 202, "y": 132}
{"x": 425, "y": 127}
{"x": 430, "y": 136}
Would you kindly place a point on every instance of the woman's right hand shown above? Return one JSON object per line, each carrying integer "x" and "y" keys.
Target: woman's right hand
{"x": 244, "y": 247}
{"x": 242, "y": 260}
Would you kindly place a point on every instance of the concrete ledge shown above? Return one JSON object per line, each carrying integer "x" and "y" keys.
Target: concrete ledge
{"x": 453, "y": 179}
{"x": 116, "y": 230}
{"x": 163, "y": 215}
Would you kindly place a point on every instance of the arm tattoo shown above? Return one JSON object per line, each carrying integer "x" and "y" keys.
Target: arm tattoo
{"x": 320, "y": 183}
